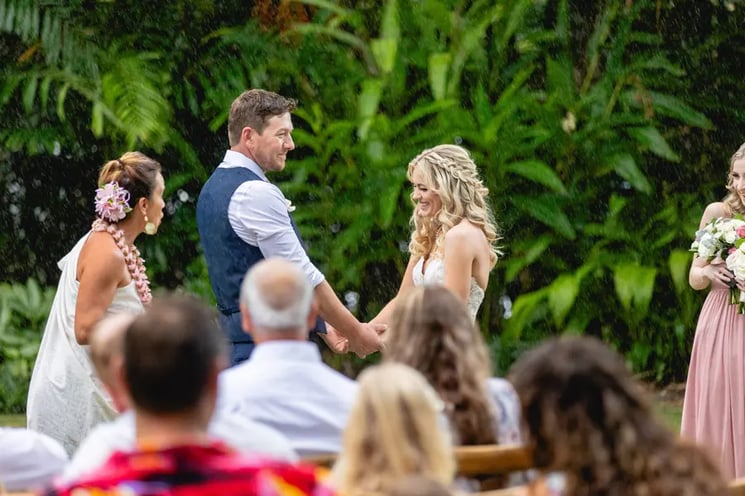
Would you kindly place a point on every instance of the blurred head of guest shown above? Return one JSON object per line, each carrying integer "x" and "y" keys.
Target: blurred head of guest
{"x": 172, "y": 356}
{"x": 277, "y": 302}
{"x": 107, "y": 355}
{"x": 394, "y": 431}
{"x": 432, "y": 332}
{"x": 588, "y": 418}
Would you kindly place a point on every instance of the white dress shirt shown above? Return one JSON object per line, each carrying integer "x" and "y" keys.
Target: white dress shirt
{"x": 28, "y": 459}
{"x": 240, "y": 433}
{"x": 286, "y": 385}
{"x": 258, "y": 213}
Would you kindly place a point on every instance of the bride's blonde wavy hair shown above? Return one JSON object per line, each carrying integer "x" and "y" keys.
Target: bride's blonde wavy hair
{"x": 732, "y": 200}
{"x": 451, "y": 173}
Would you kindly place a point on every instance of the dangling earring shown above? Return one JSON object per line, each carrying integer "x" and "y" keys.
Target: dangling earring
{"x": 149, "y": 227}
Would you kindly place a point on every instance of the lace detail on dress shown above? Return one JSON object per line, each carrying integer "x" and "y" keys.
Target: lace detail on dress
{"x": 435, "y": 274}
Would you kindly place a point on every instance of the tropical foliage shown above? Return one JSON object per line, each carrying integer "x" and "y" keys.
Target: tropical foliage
{"x": 601, "y": 131}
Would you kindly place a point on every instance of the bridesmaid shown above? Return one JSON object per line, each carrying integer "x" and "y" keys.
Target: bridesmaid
{"x": 714, "y": 404}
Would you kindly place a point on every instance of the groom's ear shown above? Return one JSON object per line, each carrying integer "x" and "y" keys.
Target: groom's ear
{"x": 246, "y": 322}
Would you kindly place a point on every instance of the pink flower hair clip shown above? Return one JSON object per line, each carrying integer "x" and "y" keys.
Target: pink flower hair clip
{"x": 112, "y": 202}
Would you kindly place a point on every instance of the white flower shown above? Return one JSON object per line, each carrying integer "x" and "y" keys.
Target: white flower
{"x": 290, "y": 206}
{"x": 707, "y": 246}
{"x": 736, "y": 262}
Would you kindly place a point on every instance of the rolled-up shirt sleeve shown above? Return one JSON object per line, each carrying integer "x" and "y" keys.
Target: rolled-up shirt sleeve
{"x": 258, "y": 214}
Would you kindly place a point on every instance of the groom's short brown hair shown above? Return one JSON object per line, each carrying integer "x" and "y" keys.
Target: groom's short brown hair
{"x": 253, "y": 108}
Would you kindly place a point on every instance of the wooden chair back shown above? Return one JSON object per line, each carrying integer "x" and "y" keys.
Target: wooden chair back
{"x": 487, "y": 459}
{"x": 737, "y": 487}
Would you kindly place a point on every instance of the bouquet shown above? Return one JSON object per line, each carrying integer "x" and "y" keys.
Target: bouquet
{"x": 722, "y": 240}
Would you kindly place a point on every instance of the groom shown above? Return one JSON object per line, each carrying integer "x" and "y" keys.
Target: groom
{"x": 243, "y": 218}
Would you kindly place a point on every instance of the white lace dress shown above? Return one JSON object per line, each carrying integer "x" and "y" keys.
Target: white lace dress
{"x": 435, "y": 274}
{"x": 65, "y": 397}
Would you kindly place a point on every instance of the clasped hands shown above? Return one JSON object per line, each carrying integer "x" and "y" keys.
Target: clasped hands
{"x": 367, "y": 340}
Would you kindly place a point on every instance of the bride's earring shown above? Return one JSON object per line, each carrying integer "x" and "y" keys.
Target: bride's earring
{"x": 149, "y": 227}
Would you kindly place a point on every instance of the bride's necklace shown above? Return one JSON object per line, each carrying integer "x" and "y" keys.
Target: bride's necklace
{"x": 133, "y": 260}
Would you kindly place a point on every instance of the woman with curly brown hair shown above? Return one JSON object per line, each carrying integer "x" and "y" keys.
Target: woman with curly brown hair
{"x": 713, "y": 409}
{"x": 593, "y": 431}
{"x": 432, "y": 332}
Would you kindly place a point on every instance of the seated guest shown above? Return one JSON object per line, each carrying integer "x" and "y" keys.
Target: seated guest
{"x": 28, "y": 459}
{"x": 173, "y": 354}
{"x": 592, "y": 428}
{"x": 417, "y": 485}
{"x": 285, "y": 384}
{"x": 107, "y": 355}
{"x": 394, "y": 432}
{"x": 432, "y": 332}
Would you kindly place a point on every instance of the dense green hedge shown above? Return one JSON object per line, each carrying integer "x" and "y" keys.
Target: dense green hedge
{"x": 601, "y": 133}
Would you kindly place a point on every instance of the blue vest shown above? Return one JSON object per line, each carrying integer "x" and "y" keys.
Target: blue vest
{"x": 228, "y": 257}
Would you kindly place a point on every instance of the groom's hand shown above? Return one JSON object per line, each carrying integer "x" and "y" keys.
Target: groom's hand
{"x": 334, "y": 340}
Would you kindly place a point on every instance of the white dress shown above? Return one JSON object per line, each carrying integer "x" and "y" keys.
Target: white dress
{"x": 65, "y": 397}
{"x": 435, "y": 274}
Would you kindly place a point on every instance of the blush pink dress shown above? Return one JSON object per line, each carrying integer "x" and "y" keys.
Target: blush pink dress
{"x": 714, "y": 405}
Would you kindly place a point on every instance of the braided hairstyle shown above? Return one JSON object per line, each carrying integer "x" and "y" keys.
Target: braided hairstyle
{"x": 135, "y": 172}
{"x": 732, "y": 200}
{"x": 452, "y": 174}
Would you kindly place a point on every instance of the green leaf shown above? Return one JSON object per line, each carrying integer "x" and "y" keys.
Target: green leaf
{"x": 650, "y": 138}
{"x": 384, "y": 51}
{"x": 625, "y": 166}
{"x": 562, "y": 294}
{"x": 97, "y": 119}
{"x": 679, "y": 262}
{"x": 390, "y": 25}
{"x": 438, "y": 65}
{"x": 328, "y": 5}
{"x": 546, "y": 210}
{"x": 538, "y": 172}
{"x": 671, "y": 106}
{"x": 561, "y": 83}
{"x": 389, "y": 202}
{"x": 523, "y": 257}
{"x": 29, "y": 93}
{"x": 527, "y": 308}
{"x": 368, "y": 105}
{"x": 634, "y": 286}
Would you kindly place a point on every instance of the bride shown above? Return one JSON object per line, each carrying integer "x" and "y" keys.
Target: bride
{"x": 454, "y": 236}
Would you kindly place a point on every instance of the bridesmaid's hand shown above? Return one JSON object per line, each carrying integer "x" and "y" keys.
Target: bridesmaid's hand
{"x": 720, "y": 272}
